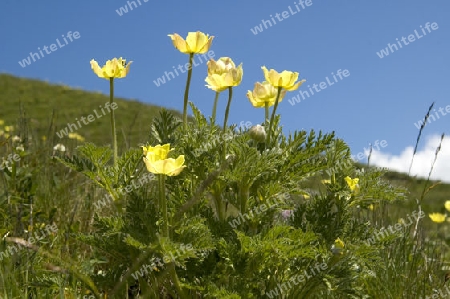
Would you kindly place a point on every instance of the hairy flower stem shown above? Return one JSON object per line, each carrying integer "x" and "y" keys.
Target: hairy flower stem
{"x": 244, "y": 195}
{"x": 269, "y": 133}
{"x": 186, "y": 91}
{"x": 266, "y": 108}
{"x": 163, "y": 204}
{"x": 163, "y": 207}
{"x": 113, "y": 120}
{"x": 175, "y": 279}
{"x": 227, "y": 111}
{"x": 216, "y": 99}
{"x": 216, "y": 192}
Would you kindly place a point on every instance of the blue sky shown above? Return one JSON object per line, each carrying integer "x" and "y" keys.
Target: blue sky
{"x": 381, "y": 99}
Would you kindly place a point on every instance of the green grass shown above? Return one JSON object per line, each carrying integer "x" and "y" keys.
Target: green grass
{"x": 99, "y": 249}
{"x": 44, "y": 103}
{"x": 55, "y": 106}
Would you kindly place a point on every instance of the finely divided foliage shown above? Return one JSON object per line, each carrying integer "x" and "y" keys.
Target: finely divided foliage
{"x": 207, "y": 211}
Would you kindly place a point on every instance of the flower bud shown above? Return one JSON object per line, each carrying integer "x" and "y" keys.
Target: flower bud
{"x": 258, "y": 133}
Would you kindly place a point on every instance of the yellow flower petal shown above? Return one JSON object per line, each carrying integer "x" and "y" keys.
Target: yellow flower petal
{"x": 219, "y": 83}
{"x": 96, "y": 68}
{"x": 76, "y": 136}
{"x": 447, "y": 205}
{"x": 170, "y": 166}
{"x": 254, "y": 100}
{"x": 437, "y": 217}
{"x": 264, "y": 93}
{"x": 352, "y": 183}
{"x": 114, "y": 68}
{"x": 285, "y": 79}
{"x": 156, "y": 161}
{"x": 339, "y": 244}
{"x": 196, "y": 42}
{"x": 159, "y": 152}
{"x": 216, "y": 82}
{"x": 219, "y": 80}
{"x": 179, "y": 43}
{"x": 222, "y": 65}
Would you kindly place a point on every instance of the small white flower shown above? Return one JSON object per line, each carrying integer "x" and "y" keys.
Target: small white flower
{"x": 5, "y": 164}
{"x": 20, "y": 148}
{"x": 59, "y": 147}
{"x": 356, "y": 267}
{"x": 16, "y": 139}
{"x": 371, "y": 273}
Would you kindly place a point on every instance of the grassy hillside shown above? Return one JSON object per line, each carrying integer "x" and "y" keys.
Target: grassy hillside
{"x": 89, "y": 244}
{"x": 46, "y": 104}
{"x": 51, "y": 107}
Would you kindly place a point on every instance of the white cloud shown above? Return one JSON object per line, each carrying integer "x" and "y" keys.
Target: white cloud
{"x": 422, "y": 160}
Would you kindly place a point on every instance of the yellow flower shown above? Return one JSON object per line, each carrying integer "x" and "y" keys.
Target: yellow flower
{"x": 285, "y": 79}
{"x": 2, "y": 122}
{"x": 157, "y": 162}
{"x": 447, "y": 205}
{"x": 76, "y": 136}
{"x": 155, "y": 153}
{"x": 115, "y": 68}
{"x": 196, "y": 42}
{"x": 325, "y": 182}
{"x": 8, "y": 128}
{"x": 223, "y": 74}
{"x": 264, "y": 93}
{"x": 437, "y": 217}
{"x": 338, "y": 246}
{"x": 352, "y": 183}
{"x": 221, "y": 66}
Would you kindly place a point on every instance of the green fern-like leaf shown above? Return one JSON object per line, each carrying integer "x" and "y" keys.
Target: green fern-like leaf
{"x": 164, "y": 126}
